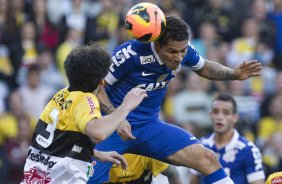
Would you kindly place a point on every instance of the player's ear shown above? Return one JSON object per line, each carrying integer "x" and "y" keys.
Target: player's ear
{"x": 235, "y": 118}
{"x": 101, "y": 83}
{"x": 157, "y": 45}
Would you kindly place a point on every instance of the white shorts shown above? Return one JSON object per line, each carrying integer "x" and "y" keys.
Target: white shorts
{"x": 42, "y": 168}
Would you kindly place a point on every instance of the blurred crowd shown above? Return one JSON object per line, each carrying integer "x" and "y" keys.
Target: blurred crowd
{"x": 37, "y": 35}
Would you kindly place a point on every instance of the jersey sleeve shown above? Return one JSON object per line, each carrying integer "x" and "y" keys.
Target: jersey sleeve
{"x": 253, "y": 163}
{"x": 123, "y": 60}
{"x": 192, "y": 59}
{"x": 86, "y": 109}
{"x": 155, "y": 166}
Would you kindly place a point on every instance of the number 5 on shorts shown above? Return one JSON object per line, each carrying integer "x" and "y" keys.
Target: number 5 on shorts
{"x": 51, "y": 127}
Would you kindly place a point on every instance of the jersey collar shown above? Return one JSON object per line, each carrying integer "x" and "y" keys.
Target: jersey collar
{"x": 231, "y": 145}
{"x": 156, "y": 54}
{"x": 233, "y": 141}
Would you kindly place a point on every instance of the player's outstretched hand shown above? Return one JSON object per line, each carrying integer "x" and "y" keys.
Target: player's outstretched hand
{"x": 247, "y": 69}
{"x": 124, "y": 131}
{"x": 133, "y": 98}
{"x": 111, "y": 156}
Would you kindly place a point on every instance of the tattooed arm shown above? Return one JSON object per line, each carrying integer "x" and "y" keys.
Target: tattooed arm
{"x": 215, "y": 71}
{"x": 105, "y": 103}
{"x": 172, "y": 175}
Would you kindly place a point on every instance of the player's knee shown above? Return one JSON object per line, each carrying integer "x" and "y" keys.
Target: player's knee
{"x": 205, "y": 157}
{"x": 208, "y": 162}
{"x": 210, "y": 157}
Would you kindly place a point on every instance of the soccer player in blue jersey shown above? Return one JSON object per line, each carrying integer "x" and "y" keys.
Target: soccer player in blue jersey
{"x": 240, "y": 158}
{"x": 152, "y": 66}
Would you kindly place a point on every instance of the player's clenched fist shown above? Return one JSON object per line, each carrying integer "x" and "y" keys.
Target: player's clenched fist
{"x": 133, "y": 98}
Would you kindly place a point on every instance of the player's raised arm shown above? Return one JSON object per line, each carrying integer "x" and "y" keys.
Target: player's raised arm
{"x": 96, "y": 128}
{"x": 215, "y": 71}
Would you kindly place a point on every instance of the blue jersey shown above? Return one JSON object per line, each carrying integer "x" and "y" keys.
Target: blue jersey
{"x": 241, "y": 159}
{"x": 137, "y": 64}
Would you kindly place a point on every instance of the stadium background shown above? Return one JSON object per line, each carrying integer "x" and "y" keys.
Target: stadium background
{"x": 36, "y": 36}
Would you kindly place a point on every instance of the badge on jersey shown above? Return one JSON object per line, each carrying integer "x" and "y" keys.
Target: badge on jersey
{"x": 147, "y": 59}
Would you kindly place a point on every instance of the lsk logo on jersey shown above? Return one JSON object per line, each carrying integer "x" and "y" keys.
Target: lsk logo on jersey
{"x": 121, "y": 56}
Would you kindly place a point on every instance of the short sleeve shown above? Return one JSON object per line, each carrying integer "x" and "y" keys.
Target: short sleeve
{"x": 155, "y": 166}
{"x": 86, "y": 109}
{"x": 192, "y": 59}
{"x": 253, "y": 163}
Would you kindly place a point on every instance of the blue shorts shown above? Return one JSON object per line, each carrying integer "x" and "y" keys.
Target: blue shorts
{"x": 155, "y": 139}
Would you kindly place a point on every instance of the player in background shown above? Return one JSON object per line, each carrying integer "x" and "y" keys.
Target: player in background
{"x": 240, "y": 158}
{"x": 152, "y": 66}
{"x": 61, "y": 148}
{"x": 141, "y": 171}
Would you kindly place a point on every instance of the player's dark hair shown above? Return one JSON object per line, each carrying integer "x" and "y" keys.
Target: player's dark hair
{"x": 176, "y": 30}
{"x": 227, "y": 98}
{"x": 86, "y": 66}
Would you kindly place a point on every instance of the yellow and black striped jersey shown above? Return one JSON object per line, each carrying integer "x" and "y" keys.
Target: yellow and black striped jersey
{"x": 140, "y": 170}
{"x": 59, "y": 138}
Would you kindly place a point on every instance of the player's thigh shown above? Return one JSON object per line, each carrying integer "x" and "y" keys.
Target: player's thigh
{"x": 160, "y": 140}
{"x": 196, "y": 156}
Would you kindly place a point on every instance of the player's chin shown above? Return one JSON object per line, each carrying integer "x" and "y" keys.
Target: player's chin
{"x": 173, "y": 67}
{"x": 218, "y": 130}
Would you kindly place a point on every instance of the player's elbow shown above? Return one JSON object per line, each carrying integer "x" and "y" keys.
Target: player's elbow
{"x": 95, "y": 132}
{"x": 98, "y": 136}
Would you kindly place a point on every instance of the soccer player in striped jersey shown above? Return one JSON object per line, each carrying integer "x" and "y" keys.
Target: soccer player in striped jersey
{"x": 240, "y": 158}
{"x": 62, "y": 146}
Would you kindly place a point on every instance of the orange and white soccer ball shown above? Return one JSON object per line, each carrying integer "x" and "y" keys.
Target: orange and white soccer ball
{"x": 145, "y": 22}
